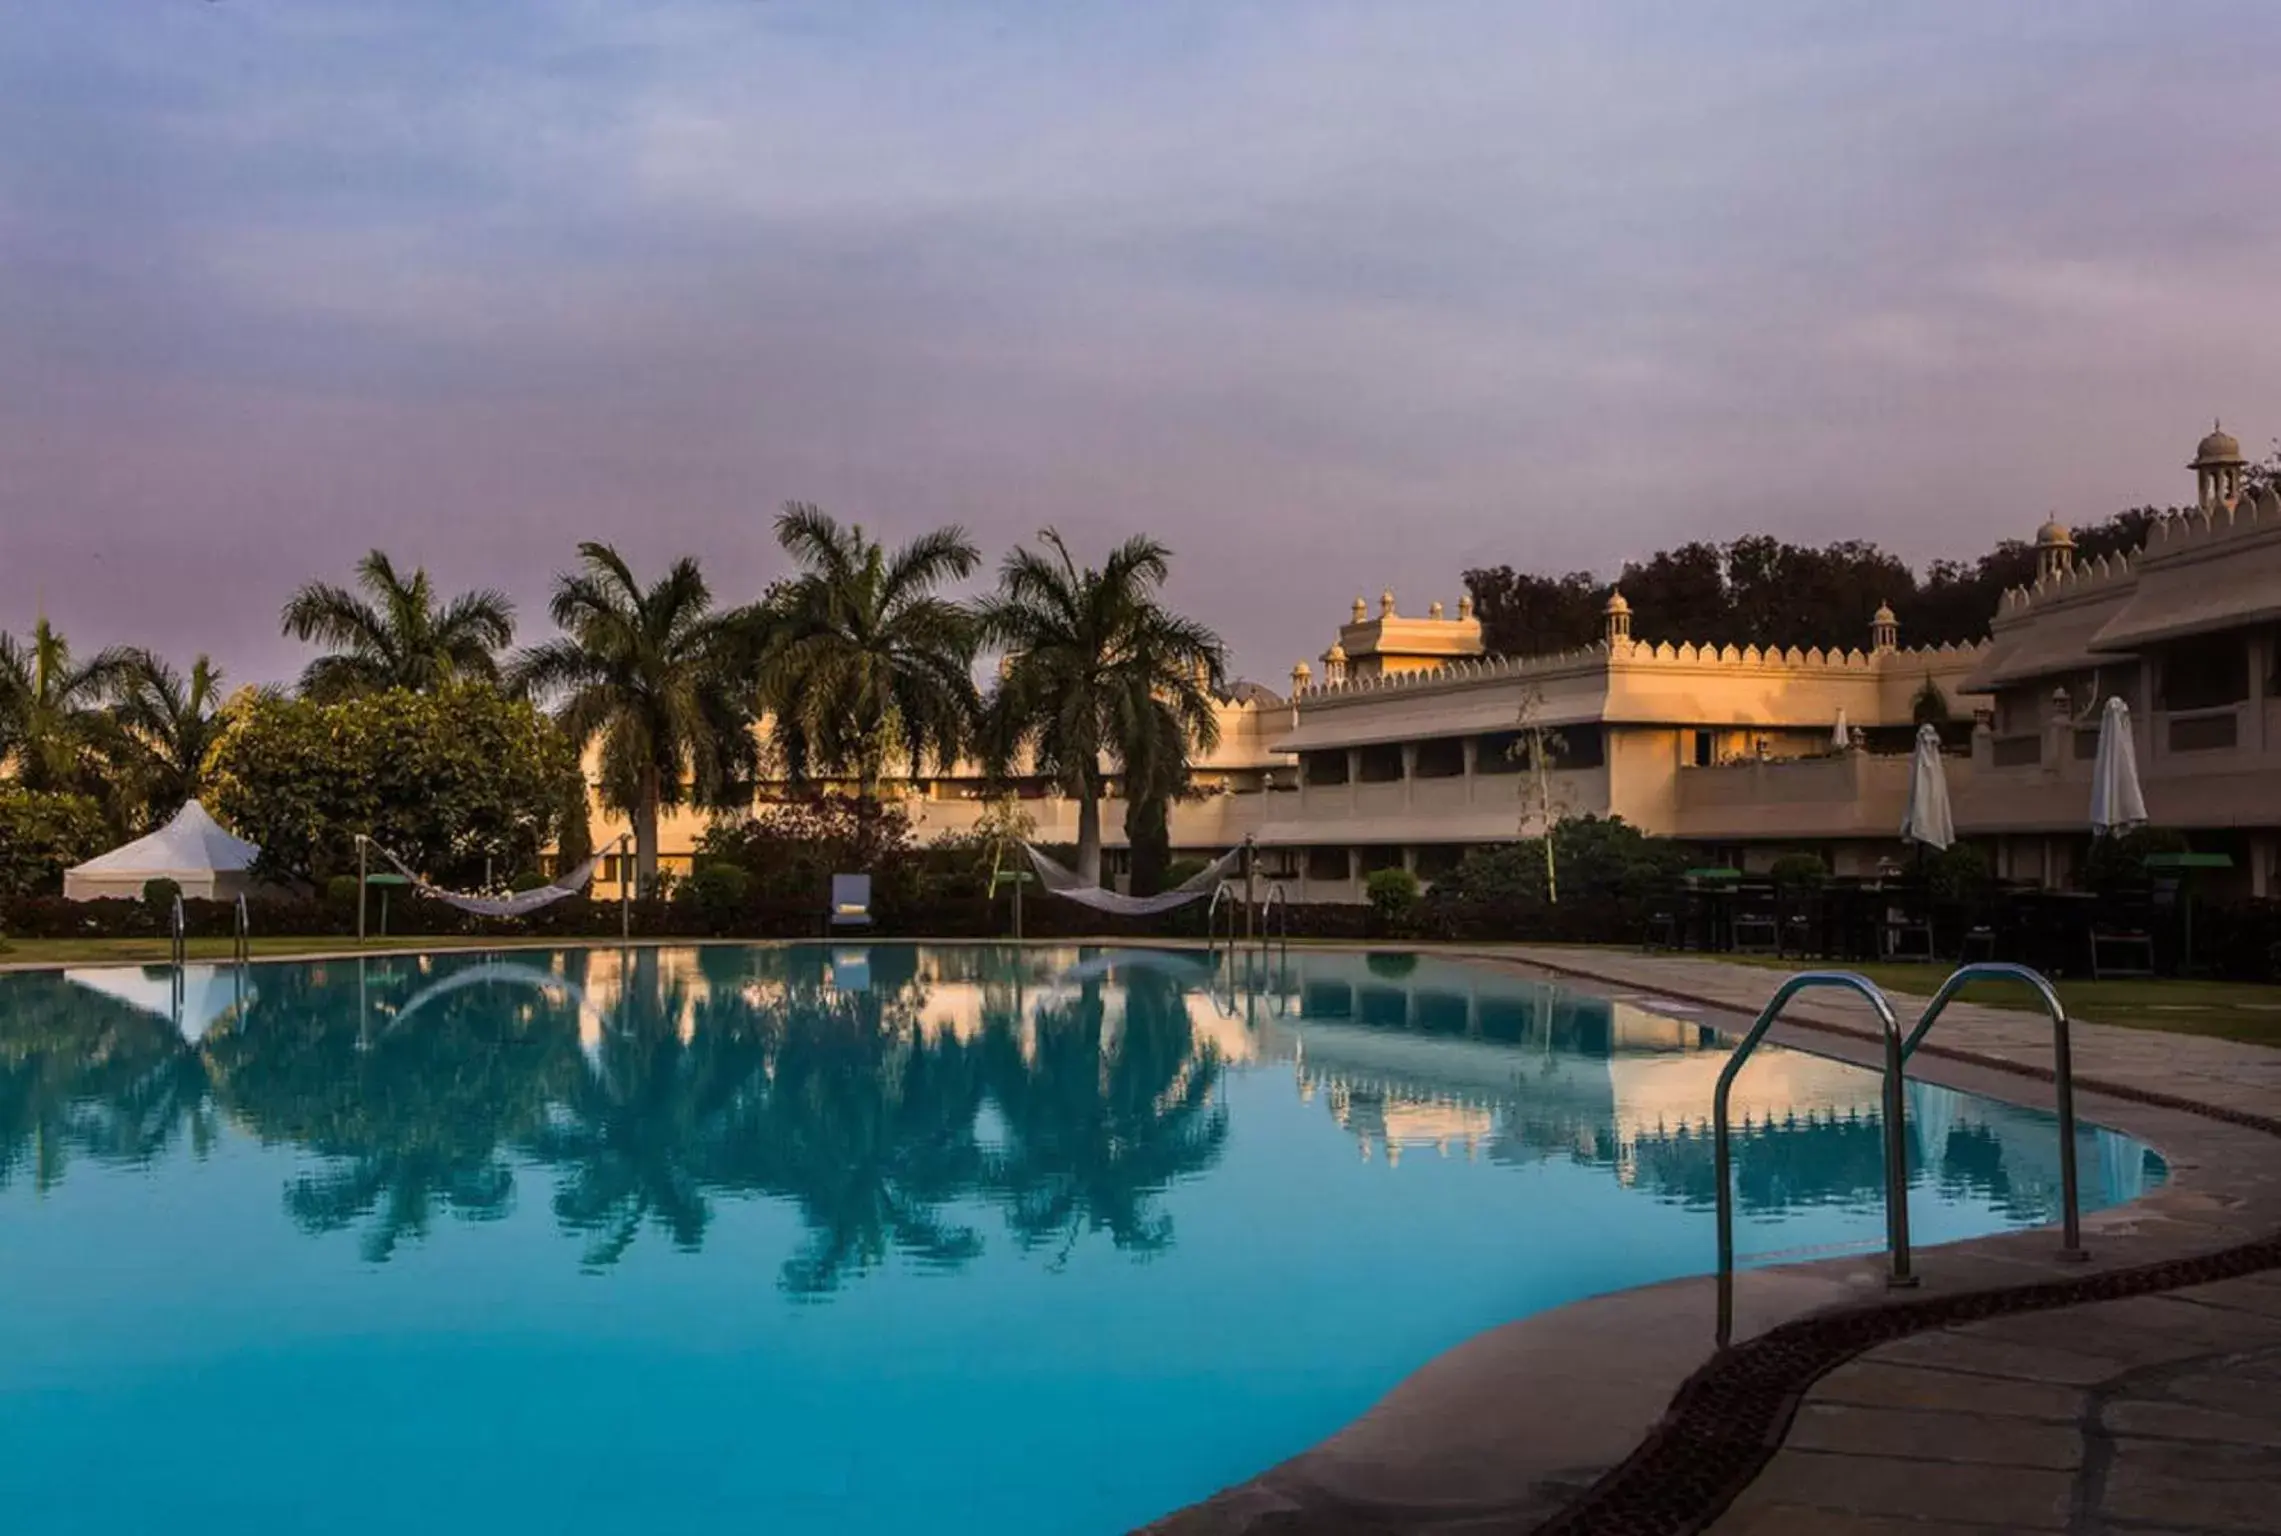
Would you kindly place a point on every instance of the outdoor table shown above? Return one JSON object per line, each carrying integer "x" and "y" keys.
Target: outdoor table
{"x": 1712, "y": 890}
{"x": 2183, "y": 866}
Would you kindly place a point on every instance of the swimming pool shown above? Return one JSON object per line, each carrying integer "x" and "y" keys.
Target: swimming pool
{"x": 863, "y": 1240}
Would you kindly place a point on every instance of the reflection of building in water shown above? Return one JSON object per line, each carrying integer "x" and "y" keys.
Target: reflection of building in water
{"x": 1519, "y": 1072}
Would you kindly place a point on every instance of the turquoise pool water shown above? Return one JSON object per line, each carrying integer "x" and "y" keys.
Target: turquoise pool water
{"x": 853, "y": 1240}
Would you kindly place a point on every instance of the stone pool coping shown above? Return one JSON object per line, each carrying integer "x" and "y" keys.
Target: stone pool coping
{"x": 1632, "y": 1423}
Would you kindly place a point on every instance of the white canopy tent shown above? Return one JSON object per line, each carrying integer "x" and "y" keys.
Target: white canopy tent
{"x": 193, "y": 1003}
{"x": 192, "y": 850}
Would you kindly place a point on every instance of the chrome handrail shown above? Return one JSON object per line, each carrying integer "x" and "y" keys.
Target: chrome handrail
{"x": 1896, "y": 1135}
{"x": 180, "y": 927}
{"x": 1278, "y": 901}
{"x": 2062, "y": 1074}
{"x": 1223, "y": 892}
{"x": 241, "y": 945}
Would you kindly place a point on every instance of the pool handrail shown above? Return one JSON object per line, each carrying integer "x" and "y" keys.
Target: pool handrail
{"x": 178, "y": 927}
{"x": 1898, "y": 1273}
{"x": 241, "y": 941}
{"x": 1278, "y": 901}
{"x": 2062, "y": 1074}
{"x": 1225, "y": 891}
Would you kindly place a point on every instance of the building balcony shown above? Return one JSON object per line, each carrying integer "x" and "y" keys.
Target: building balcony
{"x": 1845, "y": 794}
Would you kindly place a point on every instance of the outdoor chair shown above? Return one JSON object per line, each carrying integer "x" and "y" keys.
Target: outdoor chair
{"x": 851, "y": 902}
{"x": 1756, "y": 927}
{"x": 1904, "y": 924}
{"x": 2122, "y": 936}
{"x": 1666, "y": 925}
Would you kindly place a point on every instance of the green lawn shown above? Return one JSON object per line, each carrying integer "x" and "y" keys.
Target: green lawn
{"x": 159, "y": 951}
{"x": 2232, "y": 1010}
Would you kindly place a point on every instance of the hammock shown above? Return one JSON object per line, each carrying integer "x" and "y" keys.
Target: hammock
{"x": 516, "y": 905}
{"x": 1064, "y": 882}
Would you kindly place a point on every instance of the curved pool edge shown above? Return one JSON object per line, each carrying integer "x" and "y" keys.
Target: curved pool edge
{"x": 1581, "y": 1417}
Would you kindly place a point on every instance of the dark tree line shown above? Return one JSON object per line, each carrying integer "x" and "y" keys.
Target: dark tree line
{"x": 1764, "y": 591}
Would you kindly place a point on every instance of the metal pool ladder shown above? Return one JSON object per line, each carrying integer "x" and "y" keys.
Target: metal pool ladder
{"x": 1896, "y": 1131}
{"x": 1898, "y": 1050}
{"x": 2062, "y": 1076}
{"x": 1222, "y": 894}
{"x": 241, "y": 937}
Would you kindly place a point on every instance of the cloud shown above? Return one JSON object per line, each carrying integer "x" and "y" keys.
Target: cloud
{"x": 1331, "y": 295}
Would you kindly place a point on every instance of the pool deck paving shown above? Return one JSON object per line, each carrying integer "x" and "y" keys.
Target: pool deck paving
{"x": 2157, "y": 1414}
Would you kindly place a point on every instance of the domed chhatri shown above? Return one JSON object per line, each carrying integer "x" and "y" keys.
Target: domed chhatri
{"x": 2217, "y": 468}
{"x": 1618, "y": 614}
{"x": 1884, "y": 629}
{"x": 2220, "y": 447}
{"x": 2054, "y": 550}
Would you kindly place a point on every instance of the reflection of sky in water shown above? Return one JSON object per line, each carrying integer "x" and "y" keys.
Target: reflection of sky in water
{"x": 841, "y": 1238}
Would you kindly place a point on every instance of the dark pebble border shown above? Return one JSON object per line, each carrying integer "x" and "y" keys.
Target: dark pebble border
{"x": 1728, "y": 1419}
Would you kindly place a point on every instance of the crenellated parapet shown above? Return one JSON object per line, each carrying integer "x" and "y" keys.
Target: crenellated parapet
{"x": 2182, "y": 534}
{"x": 1633, "y": 655}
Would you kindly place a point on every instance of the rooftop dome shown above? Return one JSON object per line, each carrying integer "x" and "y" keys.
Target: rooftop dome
{"x": 1337, "y": 652}
{"x": 1616, "y": 603}
{"x": 2220, "y": 447}
{"x": 1884, "y": 615}
{"x": 2054, "y": 534}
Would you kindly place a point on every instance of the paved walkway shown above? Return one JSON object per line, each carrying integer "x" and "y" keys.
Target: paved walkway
{"x": 2157, "y": 1416}
{"x": 2222, "y": 1073}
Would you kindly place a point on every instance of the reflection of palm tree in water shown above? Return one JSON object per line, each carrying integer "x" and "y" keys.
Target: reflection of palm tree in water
{"x": 632, "y": 1136}
{"x": 1099, "y": 1121}
{"x": 89, "y": 1075}
{"x": 410, "y": 1121}
{"x": 867, "y": 1125}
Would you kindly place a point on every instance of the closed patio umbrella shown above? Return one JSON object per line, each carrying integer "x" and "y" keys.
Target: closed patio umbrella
{"x": 2117, "y": 802}
{"x": 1928, "y": 821}
{"x": 1841, "y": 735}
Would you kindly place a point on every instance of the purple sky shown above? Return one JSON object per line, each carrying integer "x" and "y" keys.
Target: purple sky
{"x": 1331, "y": 296}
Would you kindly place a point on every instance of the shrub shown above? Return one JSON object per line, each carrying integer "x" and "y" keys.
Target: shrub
{"x": 1183, "y": 869}
{"x": 1959, "y": 873}
{"x": 1392, "y": 894}
{"x": 1799, "y": 871}
{"x": 159, "y": 897}
{"x": 719, "y": 894}
{"x": 2118, "y": 862}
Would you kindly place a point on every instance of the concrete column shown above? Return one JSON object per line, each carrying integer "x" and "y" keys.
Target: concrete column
{"x": 1409, "y": 772}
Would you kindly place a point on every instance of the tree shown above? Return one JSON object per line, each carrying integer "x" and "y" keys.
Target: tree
{"x": 1524, "y": 614}
{"x": 398, "y": 638}
{"x": 168, "y": 723}
{"x": 53, "y": 730}
{"x": 656, "y": 676}
{"x": 445, "y": 780}
{"x": 1092, "y": 656}
{"x": 865, "y": 658}
{"x": 42, "y": 834}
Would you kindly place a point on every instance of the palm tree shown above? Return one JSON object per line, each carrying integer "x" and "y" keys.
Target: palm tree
{"x": 52, "y": 725}
{"x": 1093, "y": 663}
{"x": 655, "y": 675}
{"x": 865, "y": 657}
{"x": 399, "y": 638}
{"x": 167, "y": 722}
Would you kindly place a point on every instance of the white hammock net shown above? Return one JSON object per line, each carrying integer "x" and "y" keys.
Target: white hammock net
{"x": 515, "y": 905}
{"x": 1064, "y": 882}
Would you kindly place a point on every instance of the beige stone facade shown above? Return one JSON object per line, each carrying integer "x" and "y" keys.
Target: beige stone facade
{"x": 2187, "y": 632}
{"x": 1412, "y": 745}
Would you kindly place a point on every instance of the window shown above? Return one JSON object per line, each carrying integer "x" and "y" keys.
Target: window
{"x": 1381, "y": 764}
{"x": 1438, "y": 861}
{"x": 1581, "y": 746}
{"x": 1498, "y": 752}
{"x": 1376, "y": 859}
{"x": 1325, "y": 768}
{"x": 2206, "y": 672}
{"x": 1326, "y": 864}
{"x": 1705, "y": 749}
{"x": 1441, "y": 758}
